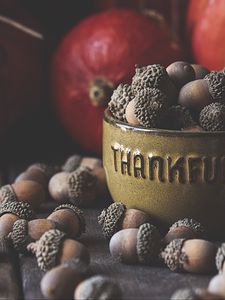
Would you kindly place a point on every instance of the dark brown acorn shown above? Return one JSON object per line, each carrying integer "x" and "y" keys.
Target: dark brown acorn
{"x": 200, "y": 71}
{"x": 180, "y": 73}
{"x": 117, "y": 217}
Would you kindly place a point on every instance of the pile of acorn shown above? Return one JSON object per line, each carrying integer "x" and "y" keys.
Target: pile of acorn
{"x": 182, "y": 96}
{"x": 53, "y": 240}
{"x": 134, "y": 239}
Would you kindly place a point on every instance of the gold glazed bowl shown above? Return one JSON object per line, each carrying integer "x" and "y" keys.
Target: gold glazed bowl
{"x": 169, "y": 174}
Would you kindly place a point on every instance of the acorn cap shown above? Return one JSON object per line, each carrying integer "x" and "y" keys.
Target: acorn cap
{"x": 150, "y": 107}
{"x": 47, "y": 248}
{"x": 99, "y": 287}
{"x": 148, "y": 243}
{"x": 212, "y": 117}
{"x": 110, "y": 217}
{"x": 172, "y": 255}
{"x": 178, "y": 117}
{"x": 184, "y": 294}
{"x": 72, "y": 163}
{"x": 152, "y": 76}
{"x": 81, "y": 184}
{"x": 220, "y": 257}
{"x": 190, "y": 223}
{"x": 216, "y": 85}
{"x": 19, "y": 235}
{"x": 8, "y": 194}
{"x": 120, "y": 98}
{"x": 21, "y": 209}
{"x": 76, "y": 211}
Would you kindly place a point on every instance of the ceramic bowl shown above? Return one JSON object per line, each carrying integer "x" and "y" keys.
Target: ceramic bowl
{"x": 169, "y": 174}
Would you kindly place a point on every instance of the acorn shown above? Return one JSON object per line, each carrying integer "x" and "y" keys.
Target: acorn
{"x": 194, "y": 294}
{"x": 117, "y": 217}
{"x": 200, "y": 71}
{"x": 178, "y": 117}
{"x": 38, "y": 172}
{"x": 98, "y": 287}
{"x": 136, "y": 245}
{"x": 120, "y": 98}
{"x": 220, "y": 258}
{"x": 23, "y": 191}
{"x": 180, "y": 73}
{"x": 199, "y": 93}
{"x": 217, "y": 285}
{"x": 60, "y": 282}
{"x": 24, "y": 232}
{"x": 147, "y": 108}
{"x": 10, "y": 212}
{"x": 72, "y": 163}
{"x": 53, "y": 249}
{"x": 154, "y": 76}
{"x": 194, "y": 256}
{"x": 212, "y": 117}
{"x": 69, "y": 219}
{"x": 185, "y": 229}
{"x": 78, "y": 187}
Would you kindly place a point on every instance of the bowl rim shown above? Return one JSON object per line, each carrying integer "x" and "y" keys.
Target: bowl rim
{"x": 122, "y": 125}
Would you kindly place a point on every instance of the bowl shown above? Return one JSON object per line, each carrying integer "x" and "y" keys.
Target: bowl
{"x": 169, "y": 174}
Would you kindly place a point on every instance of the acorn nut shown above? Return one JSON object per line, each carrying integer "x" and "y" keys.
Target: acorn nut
{"x": 194, "y": 256}
{"x": 184, "y": 229}
{"x": 154, "y": 76}
{"x": 117, "y": 217}
{"x": 24, "y": 232}
{"x": 200, "y": 71}
{"x": 38, "y": 172}
{"x": 180, "y": 73}
{"x": 78, "y": 187}
{"x": 53, "y": 249}
{"x": 147, "y": 108}
{"x": 60, "y": 282}
{"x": 69, "y": 219}
{"x": 98, "y": 287}
{"x": 217, "y": 285}
{"x": 23, "y": 191}
{"x": 134, "y": 245}
{"x": 10, "y": 212}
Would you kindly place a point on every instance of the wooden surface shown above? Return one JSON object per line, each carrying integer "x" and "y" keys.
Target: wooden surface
{"x": 20, "y": 279}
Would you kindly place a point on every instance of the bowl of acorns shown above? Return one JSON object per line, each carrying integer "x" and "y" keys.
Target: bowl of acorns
{"x": 164, "y": 144}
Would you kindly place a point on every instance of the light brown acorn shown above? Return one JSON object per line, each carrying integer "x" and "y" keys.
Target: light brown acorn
{"x": 136, "y": 245}
{"x": 26, "y": 191}
{"x": 94, "y": 164}
{"x": 38, "y": 172}
{"x": 184, "y": 229}
{"x": 10, "y": 212}
{"x": 24, "y": 232}
{"x": 60, "y": 282}
{"x": 217, "y": 285}
{"x": 78, "y": 187}
{"x": 53, "y": 248}
{"x": 194, "y": 256}
{"x": 199, "y": 93}
{"x": 117, "y": 217}
{"x": 98, "y": 287}
{"x": 180, "y": 73}
{"x": 69, "y": 219}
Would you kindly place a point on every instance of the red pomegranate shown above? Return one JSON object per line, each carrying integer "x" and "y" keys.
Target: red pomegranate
{"x": 95, "y": 57}
{"x": 22, "y": 64}
{"x": 206, "y": 28}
